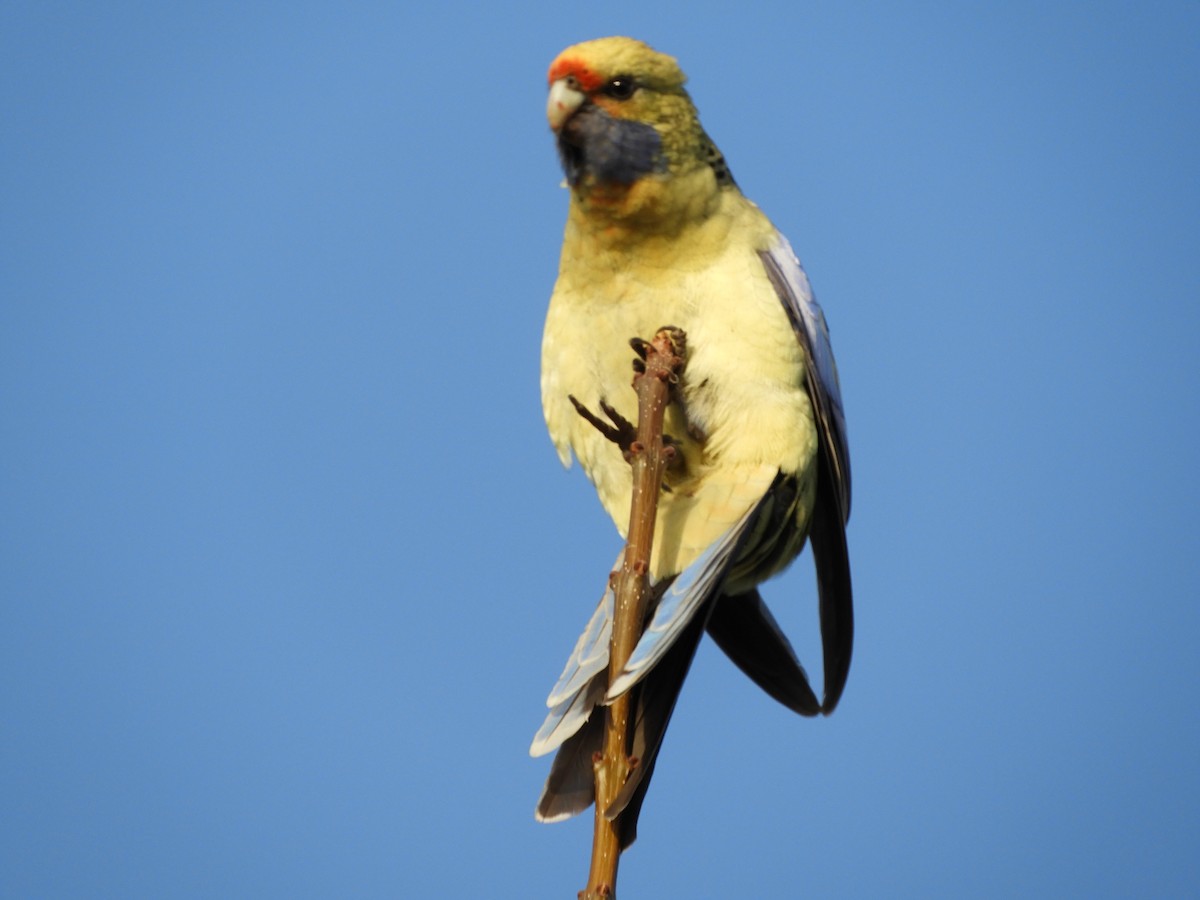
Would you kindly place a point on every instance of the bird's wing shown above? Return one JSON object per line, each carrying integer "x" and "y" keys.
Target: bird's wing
{"x": 808, "y": 321}
{"x": 688, "y": 593}
{"x": 578, "y": 690}
{"x": 574, "y": 696}
{"x": 661, "y": 661}
{"x": 591, "y": 650}
{"x": 827, "y": 530}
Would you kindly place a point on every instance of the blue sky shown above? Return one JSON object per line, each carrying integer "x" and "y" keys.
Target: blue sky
{"x": 288, "y": 564}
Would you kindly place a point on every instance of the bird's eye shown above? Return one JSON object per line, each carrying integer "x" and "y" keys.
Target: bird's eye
{"x": 620, "y": 88}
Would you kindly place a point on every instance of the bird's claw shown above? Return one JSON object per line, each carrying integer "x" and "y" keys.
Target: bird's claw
{"x": 618, "y": 429}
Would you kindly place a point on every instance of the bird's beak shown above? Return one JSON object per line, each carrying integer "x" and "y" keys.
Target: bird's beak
{"x": 564, "y": 99}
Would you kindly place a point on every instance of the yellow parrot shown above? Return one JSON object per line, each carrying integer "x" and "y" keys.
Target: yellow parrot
{"x": 658, "y": 234}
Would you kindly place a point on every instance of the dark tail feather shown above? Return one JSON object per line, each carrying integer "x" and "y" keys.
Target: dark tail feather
{"x": 571, "y": 786}
{"x": 744, "y": 628}
{"x": 654, "y": 701}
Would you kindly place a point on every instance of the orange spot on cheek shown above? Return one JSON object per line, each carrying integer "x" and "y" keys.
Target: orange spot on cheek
{"x": 569, "y": 65}
{"x": 613, "y": 107}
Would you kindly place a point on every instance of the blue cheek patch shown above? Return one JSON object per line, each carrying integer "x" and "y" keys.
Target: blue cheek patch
{"x": 613, "y": 151}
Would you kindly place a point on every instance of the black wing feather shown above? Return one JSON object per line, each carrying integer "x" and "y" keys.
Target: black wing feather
{"x": 827, "y": 529}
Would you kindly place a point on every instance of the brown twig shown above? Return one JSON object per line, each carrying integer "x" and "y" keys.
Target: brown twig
{"x": 658, "y": 366}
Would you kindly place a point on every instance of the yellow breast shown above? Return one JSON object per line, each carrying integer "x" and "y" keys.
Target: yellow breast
{"x": 743, "y": 414}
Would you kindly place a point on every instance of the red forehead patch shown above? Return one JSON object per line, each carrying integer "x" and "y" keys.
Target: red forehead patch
{"x": 570, "y": 65}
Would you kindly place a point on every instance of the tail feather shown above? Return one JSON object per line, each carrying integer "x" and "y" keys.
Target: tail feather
{"x": 570, "y": 787}
{"x": 827, "y": 534}
{"x": 744, "y": 628}
{"x": 654, "y": 702}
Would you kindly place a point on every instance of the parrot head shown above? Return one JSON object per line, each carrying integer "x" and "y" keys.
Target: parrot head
{"x": 622, "y": 117}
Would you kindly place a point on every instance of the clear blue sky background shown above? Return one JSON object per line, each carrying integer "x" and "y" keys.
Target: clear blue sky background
{"x": 287, "y": 562}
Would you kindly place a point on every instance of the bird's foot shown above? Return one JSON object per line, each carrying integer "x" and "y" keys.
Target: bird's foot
{"x": 662, "y": 358}
{"x": 618, "y": 429}
{"x": 670, "y": 352}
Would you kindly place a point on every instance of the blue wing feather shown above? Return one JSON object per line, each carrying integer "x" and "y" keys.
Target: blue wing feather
{"x": 687, "y": 594}
{"x": 808, "y": 320}
{"x": 591, "y": 651}
{"x": 831, "y": 509}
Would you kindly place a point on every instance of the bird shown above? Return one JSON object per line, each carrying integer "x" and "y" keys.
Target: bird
{"x": 659, "y": 234}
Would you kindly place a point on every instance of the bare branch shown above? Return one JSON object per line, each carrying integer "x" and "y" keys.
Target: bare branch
{"x": 657, "y": 368}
